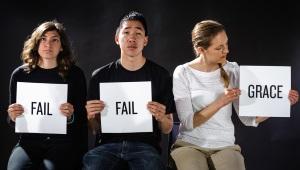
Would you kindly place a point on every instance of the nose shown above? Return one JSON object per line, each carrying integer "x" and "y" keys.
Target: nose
{"x": 47, "y": 43}
{"x": 132, "y": 38}
{"x": 225, "y": 50}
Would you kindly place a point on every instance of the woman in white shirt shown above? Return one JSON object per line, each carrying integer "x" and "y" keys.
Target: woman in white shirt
{"x": 204, "y": 91}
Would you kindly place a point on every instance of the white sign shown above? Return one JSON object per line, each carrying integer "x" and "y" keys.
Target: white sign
{"x": 264, "y": 91}
{"x": 125, "y": 108}
{"x": 41, "y": 104}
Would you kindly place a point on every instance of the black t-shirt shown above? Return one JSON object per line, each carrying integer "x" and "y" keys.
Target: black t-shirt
{"x": 75, "y": 79}
{"x": 161, "y": 84}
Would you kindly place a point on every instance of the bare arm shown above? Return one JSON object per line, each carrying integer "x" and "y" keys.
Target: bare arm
{"x": 205, "y": 114}
{"x": 159, "y": 113}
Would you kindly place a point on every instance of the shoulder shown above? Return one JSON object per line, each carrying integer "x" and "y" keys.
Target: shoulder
{"x": 180, "y": 69}
{"x": 20, "y": 70}
{"x": 231, "y": 66}
{"x": 157, "y": 69}
{"x": 76, "y": 72}
{"x": 76, "y": 69}
{"x": 104, "y": 69}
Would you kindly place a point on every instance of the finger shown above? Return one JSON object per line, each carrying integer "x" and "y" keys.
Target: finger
{"x": 93, "y": 113}
{"x": 94, "y": 102}
{"x": 153, "y": 103}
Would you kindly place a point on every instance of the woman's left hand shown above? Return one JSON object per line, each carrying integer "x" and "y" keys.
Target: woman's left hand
{"x": 67, "y": 109}
{"x": 293, "y": 96}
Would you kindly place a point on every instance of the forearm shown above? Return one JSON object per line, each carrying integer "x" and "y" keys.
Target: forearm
{"x": 94, "y": 124}
{"x": 260, "y": 119}
{"x": 166, "y": 124}
{"x": 205, "y": 114}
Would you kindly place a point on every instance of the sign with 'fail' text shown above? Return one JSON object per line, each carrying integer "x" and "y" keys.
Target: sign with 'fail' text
{"x": 41, "y": 102}
{"x": 125, "y": 108}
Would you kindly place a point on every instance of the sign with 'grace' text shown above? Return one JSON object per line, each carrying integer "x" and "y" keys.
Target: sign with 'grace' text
{"x": 41, "y": 102}
{"x": 125, "y": 108}
{"x": 264, "y": 91}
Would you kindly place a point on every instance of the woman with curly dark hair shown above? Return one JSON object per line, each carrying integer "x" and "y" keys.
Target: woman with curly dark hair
{"x": 48, "y": 58}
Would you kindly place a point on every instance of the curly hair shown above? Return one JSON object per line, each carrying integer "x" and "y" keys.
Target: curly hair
{"x": 30, "y": 55}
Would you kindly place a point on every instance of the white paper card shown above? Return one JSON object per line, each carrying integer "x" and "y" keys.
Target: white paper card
{"x": 125, "y": 108}
{"x": 41, "y": 102}
{"x": 264, "y": 91}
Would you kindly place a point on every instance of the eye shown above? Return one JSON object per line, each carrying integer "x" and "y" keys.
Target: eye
{"x": 55, "y": 40}
{"x": 43, "y": 39}
{"x": 219, "y": 48}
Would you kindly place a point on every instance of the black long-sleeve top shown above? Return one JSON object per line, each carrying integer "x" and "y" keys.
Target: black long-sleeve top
{"x": 75, "y": 79}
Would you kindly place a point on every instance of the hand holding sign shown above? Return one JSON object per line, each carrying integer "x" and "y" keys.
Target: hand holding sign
{"x": 293, "y": 96}
{"x": 157, "y": 110}
{"x": 67, "y": 109}
{"x": 14, "y": 110}
{"x": 94, "y": 107}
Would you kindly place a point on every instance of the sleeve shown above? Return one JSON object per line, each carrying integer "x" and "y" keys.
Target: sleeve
{"x": 78, "y": 128}
{"x": 235, "y": 79}
{"x": 168, "y": 97}
{"x": 182, "y": 98}
{"x": 12, "y": 94}
{"x": 93, "y": 90}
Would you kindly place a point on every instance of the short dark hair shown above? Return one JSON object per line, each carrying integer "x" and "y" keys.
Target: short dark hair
{"x": 133, "y": 16}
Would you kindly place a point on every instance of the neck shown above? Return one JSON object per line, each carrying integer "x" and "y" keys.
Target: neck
{"x": 47, "y": 64}
{"x": 202, "y": 64}
{"x": 132, "y": 63}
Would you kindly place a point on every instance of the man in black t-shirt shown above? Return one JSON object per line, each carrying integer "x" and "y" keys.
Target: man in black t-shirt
{"x": 140, "y": 150}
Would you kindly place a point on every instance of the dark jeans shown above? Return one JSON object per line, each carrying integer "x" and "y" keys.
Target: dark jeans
{"x": 47, "y": 154}
{"x": 139, "y": 156}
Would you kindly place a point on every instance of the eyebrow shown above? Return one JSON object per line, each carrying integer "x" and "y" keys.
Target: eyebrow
{"x": 139, "y": 28}
{"x": 54, "y": 36}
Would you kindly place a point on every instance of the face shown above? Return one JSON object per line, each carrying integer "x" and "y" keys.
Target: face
{"x": 131, "y": 39}
{"x": 50, "y": 46}
{"x": 217, "y": 52}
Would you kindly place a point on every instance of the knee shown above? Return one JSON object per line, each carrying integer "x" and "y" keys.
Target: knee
{"x": 189, "y": 158}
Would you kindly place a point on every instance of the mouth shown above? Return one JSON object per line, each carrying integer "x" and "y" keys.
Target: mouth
{"x": 47, "y": 51}
{"x": 132, "y": 46}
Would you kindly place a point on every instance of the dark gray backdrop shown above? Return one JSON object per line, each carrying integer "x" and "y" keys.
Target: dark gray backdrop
{"x": 260, "y": 33}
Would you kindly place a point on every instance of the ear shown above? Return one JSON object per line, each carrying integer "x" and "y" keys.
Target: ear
{"x": 146, "y": 41}
{"x": 200, "y": 50}
{"x": 117, "y": 39}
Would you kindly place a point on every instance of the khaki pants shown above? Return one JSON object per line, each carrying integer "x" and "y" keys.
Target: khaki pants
{"x": 191, "y": 157}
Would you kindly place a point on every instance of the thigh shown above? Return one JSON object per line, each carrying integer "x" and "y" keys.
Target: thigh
{"x": 189, "y": 158}
{"x": 102, "y": 157}
{"x": 141, "y": 156}
{"x": 60, "y": 155}
{"x": 19, "y": 159}
{"x": 228, "y": 159}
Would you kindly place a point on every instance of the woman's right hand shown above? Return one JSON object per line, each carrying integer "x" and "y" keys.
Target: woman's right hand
{"x": 229, "y": 96}
{"x": 94, "y": 107}
{"x": 14, "y": 110}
